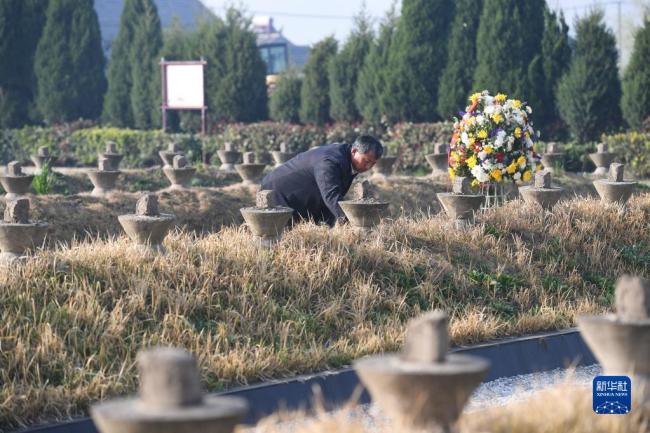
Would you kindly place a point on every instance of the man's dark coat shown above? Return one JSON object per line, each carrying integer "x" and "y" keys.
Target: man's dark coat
{"x": 313, "y": 182}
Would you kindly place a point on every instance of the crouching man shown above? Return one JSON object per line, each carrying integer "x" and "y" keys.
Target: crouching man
{"x": 313, "y": 182}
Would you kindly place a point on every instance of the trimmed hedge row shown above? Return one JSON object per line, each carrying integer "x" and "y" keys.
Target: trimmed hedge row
{"x": 79, "y": 144}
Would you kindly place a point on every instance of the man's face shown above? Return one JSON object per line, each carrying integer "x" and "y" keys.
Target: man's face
{"x": 363, "y": 161}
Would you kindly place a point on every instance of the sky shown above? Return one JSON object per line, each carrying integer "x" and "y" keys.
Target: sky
{"x": 305, "y": 22}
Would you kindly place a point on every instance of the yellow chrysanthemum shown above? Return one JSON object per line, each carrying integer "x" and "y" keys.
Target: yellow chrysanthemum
{"x": 488, "y": 149}
{"x": 475, "y": 97}
{"x": 496, "y": 175}
{"x": 482, "y": 134}
{"x": 475, "y": 182}
{"x": 472, "y": 161}
{"x": 452, "y": 175}
{"x": 497, "y": 118}
{"x": 501, "y": 97}
{"x": 516, "y": 103}
{"x": 517, "y": 132}
{"x": 521, "y": 160}
{"x": 526, "y": 176}
{"x": 512, "y": 168}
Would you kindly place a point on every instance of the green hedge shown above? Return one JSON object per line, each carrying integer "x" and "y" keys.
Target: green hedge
{"x": 140, "y": 148}
{"x": 79, "y": 144}
{"x": 410, "y": 141}
{"x": 633, "y": 149}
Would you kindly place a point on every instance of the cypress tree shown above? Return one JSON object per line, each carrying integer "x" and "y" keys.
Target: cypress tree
{"x": 344, "y": 70}
{"x": 636, "y": 82}
{"x": 69, "y": 63}
{"x": 556, "y": 54}
{"x": 372, "y": 77}
{"x": 117, "y": 105}
{"x": 21, "y": 24}
{"x": 314, "y": 94}
{"x": 589, "y": 94}
{"x": 145, "y": 70}
{"x": 508, "y": 41}
{"x": 285, "y": 99}
{"x": 417, "y": 58}
{"x": 456, "y": 80}
{"x": 12, "y": 101}
{"x": 242, "y": 91}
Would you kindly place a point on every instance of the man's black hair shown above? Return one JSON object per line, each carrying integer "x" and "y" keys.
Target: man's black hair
{"x": 366, "y": 143}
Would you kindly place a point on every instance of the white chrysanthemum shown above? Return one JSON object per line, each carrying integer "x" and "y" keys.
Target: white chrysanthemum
{"x": 529, "y": 110}
{"x": 490, "y": 109}
{"x": 480, "y": 174}
{"x": 516, "y": 176}
{"x": 464, "y": 138}
{"x": 482, "y": 155}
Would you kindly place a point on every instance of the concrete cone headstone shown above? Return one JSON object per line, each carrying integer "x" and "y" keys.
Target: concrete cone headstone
{"x": 180, "y": 173}
{"x": 553, "y": 157}
{"x": 266, "y": 220}
{"x": 111, "y": 153}
{"x": 542, "y": 192}
{"x": 602, "y": 158}
{"x": 167, "y": 155}
{"x": 15, "y": 182}
{"x": 283, "y": 155}
{"x": 147, "y": 228}
{"x": 615, "y": 189}
{"x": 423, "y": 388}
{"x": 621, "y": 341}
{"x": 460, "y": 204}
{"x": 104, "y": 177}
{"x": 229, "y": 157}
{"x": 17, "y": 233}
{"x": 170, "y": 400}
{"x": 363, "y": 210}
{"x": 41, "y": 158}
{"x": 250, "y": 172}
{"x": 383, "y": 168}
{"x": 438, "y": 160}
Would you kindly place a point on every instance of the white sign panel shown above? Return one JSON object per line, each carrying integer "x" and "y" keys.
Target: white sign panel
{"x": 185, "y": 86}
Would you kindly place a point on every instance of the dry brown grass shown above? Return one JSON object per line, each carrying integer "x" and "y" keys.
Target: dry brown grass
{"x": 73, "y": 318}
{"x": 561, "y": 409}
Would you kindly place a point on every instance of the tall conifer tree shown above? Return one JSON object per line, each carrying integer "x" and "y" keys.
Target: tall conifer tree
{"x": 314, "y": 95}
{"x": 69, "y": 63}
{"x": 507, "y": 44}
{"x": 117, "y": 105}
{"x": 145, "y": 70}
{"x": 456, "y": 80}
{"x": 636, "y": 82}
{"x": 417, "y": 58}
{"x": 556, "y": 54}
{"x": 589, "y": 94}
{"x": 372, "y": 77}
{"x": 344, "y": 70}
{"x": 285, "y": 99}
{"x": 242, "y": 91}
{"x": 21, "y": 25}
